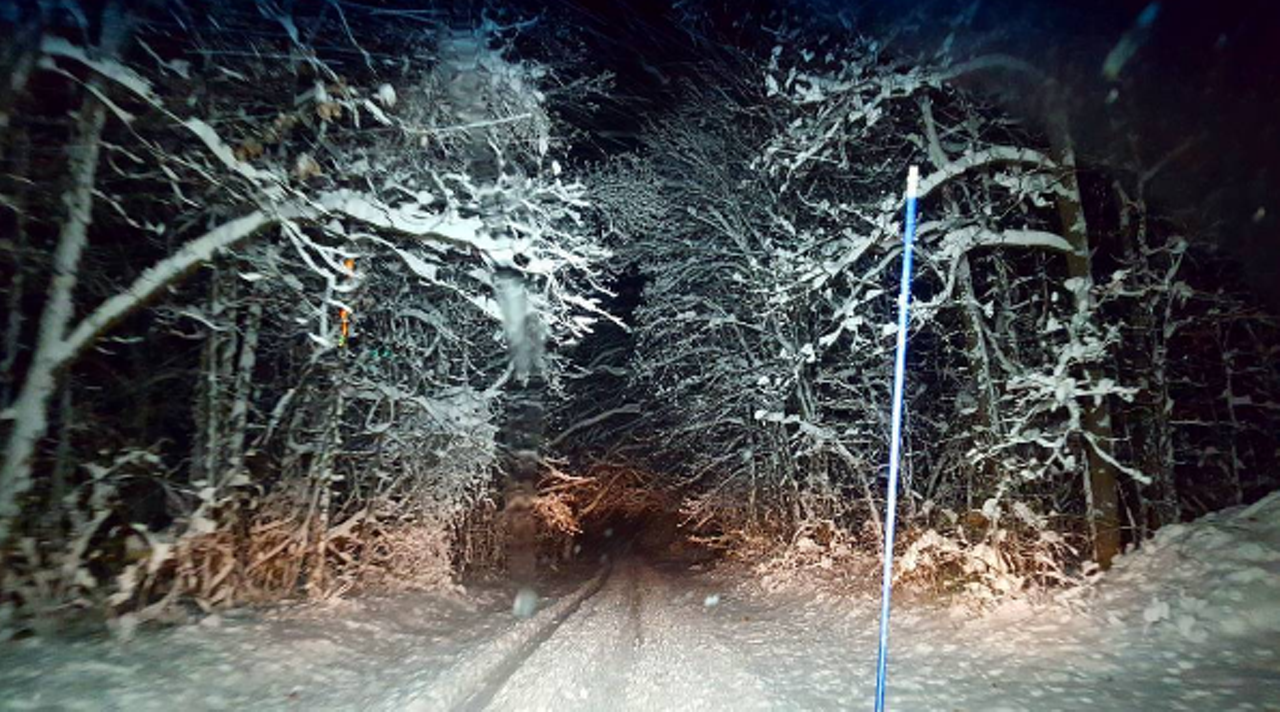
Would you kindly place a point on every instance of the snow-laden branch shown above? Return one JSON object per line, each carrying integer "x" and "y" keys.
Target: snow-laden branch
{"x": 628, "y": 409}
{"x": 987, "y": 157}
{"x": 450, "y": 228}
{"x": 1104, "y": 452}
{"x": 157, "y": 277}
{"x": 988, "y": 62}
{"x": 115, "y": 71}
{"x": 956, "y": 243}
{"x": 210, "y": 138}
{"x": 142, "y": 89}
{"x": 410, "y": 220}
{"x": 959, "y": 241}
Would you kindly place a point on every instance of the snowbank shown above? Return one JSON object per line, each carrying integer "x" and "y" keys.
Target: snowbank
{"x": 1219, "y": 575}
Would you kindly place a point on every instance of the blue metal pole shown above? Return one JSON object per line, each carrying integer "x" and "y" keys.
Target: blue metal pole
{"x": 895, "y": 445}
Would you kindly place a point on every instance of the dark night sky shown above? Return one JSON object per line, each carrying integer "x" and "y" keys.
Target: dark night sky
{"x": 1205, "y": 81}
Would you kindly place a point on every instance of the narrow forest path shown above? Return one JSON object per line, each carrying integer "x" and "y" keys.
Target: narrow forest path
{"x": 1191, "y": 622}
{"x": 648, "y": 640}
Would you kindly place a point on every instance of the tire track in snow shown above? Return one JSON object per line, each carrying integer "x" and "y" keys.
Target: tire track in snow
{"x": 683, "y": 661}
{"x": 476, "y": 677}
{"x": 644, "y": 642}
{"x": 584, "y": 665}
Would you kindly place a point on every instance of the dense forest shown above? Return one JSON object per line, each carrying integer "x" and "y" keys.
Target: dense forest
{"x": 308, "y": 298}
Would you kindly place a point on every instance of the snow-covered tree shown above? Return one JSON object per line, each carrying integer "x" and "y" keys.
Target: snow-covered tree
{"x": 350, "y": 213}
{"x": 765, "y": 337}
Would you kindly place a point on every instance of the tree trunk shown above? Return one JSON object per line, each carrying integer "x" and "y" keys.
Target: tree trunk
{"x": 18, "y": 59}
{"x": 207, "y": 444}
{"x": 1150, "y": 430}
{"x": 238, "y": 421}
{"x": 322, "y": 479}
{"x": 31, "y": 407}
{"x": 979, "y": 357}
{"x": 1233, "y": 426}
{"x": 980, "y": 366}
{"x": 1101, "y": 490}
{"x": 522, "y": 430}
{"x": 20, "y": 155}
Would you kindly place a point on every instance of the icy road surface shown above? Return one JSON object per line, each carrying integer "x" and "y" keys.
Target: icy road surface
{"x": 1192, "y": 622}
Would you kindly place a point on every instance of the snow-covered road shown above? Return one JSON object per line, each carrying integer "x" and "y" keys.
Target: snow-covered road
{"x": 647, "y": 641}
{"x": 1192, "y": 622}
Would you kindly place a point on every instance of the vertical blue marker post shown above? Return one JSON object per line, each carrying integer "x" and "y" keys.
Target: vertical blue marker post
{"x": 895, "y": 445}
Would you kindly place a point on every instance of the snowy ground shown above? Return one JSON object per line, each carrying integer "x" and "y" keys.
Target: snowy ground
{"x": 1190, "y": 622}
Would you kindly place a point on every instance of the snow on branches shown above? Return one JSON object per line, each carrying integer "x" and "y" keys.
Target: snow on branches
{"x": 765, "y": 336}
{"x": 343, "y": 225}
